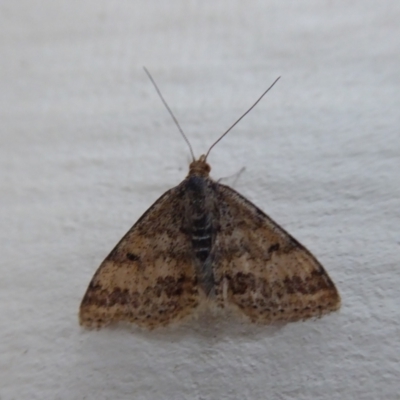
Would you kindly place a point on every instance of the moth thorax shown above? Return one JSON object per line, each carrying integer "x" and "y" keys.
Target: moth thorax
{"x": 199, "y": 167}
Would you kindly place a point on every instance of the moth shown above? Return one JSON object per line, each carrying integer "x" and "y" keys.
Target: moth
{"x": 202, "y": 242}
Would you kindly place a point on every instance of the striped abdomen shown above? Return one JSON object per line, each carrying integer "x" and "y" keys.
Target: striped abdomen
{"x": 201, "y": 236}
{"x": 199, "y": 205}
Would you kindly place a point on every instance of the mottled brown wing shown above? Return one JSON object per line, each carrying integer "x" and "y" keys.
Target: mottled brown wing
{"x": 262, "y": 270}
{"x": 148, "y": 278}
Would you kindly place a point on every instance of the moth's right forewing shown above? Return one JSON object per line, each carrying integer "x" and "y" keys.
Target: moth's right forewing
{"x": 264, "y": 271}
{"x": 148, "y": 278}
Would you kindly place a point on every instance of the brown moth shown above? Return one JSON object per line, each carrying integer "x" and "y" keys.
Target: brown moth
{"x": 201, "y": 241}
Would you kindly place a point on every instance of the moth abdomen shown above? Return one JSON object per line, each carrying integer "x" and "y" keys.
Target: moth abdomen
{"x": 202, "y": 237}
{"x": 202, "y": 243}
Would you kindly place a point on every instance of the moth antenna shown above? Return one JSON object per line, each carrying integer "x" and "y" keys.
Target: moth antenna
{"x": 170, "y": 111}
{"x": 226, "y": 132}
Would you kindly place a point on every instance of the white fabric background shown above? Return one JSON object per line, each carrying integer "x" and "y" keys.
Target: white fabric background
{"x": 86, "y": 147}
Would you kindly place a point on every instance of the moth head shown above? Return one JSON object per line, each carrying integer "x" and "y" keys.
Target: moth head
{"x": 199, "y": 167}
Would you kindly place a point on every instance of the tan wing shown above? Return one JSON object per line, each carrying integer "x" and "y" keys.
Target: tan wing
{"x": 148, "y": 278}
{"x": 262, "y": 270}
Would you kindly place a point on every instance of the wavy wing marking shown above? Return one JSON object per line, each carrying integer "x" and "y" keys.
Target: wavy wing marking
{"x": 148, "y": 278}
{"x": 265, "y": 272}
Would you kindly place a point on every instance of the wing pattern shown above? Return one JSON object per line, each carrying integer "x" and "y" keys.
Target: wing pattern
{"x": 264, "y": 271}
{"x": 148, "y": 278}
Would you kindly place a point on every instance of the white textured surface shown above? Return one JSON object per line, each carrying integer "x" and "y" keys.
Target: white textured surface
{"x": 86, "y": 147}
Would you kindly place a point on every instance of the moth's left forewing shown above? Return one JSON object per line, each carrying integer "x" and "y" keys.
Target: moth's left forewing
{"x": 149, "y": 278}
{"x": 264, "y": 272}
